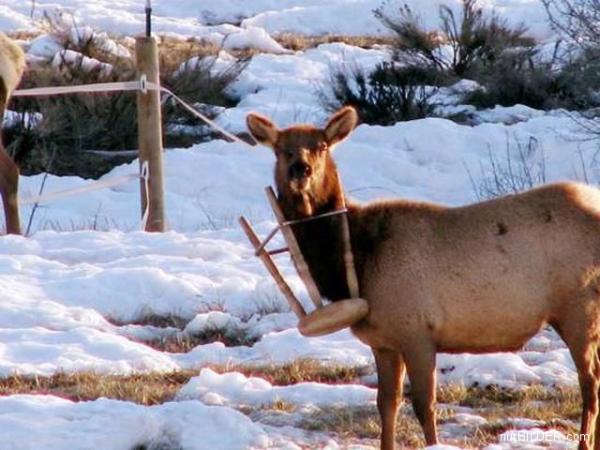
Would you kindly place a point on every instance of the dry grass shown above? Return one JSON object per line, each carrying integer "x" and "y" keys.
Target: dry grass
{"x": 555, "y": 407}
{"x": 153, "y": 388}
{"x": 23, "y": 35}
{"x": 357, "y": 422}
{"x": 558, "y": 408}
{"x": 184, "y": 343}
{"x": 173, "y": 52}
{"x": 535, "y": 402}
{"x": 73, "y": 125}
{"x": 154, "y": 320}
{"x": 300, "y": 42}
{"x": 144, "y": 389}
{"x": 156, "y": 388}
{"x": 539, "y": 403}
{"x": 298, "y": 371}
{"x": 363, "y": 422}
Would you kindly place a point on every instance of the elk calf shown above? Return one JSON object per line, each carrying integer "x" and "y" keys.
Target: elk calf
{"x": 479, "y": 278}
{"x": 12, "y": 65}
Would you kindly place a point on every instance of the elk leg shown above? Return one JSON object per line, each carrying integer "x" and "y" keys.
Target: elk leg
{"x": 588, "y": 382}
{"x": 596, "y": 437}
{"x": 584, "y": 353}
{"x": 420, "y": 364}
{"x": 390, "y": 376}
{"x": 9, "y": 188}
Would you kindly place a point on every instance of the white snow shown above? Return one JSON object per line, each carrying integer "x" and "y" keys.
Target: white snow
{"x": 75, "y": 292}
{"x": 353, "y": 17}
{"x": 285, "y": 87}
{"x": 45, "y": 46}
{"x": 233, "y": 388}
{"x": 534, "y": 436}
{"x": 508, "y": 370}
{"x": 34, "y": 422}
{"x": 432, "y": 159}
{"x": 76, "y": 59}
{"x": 79, "y": 36}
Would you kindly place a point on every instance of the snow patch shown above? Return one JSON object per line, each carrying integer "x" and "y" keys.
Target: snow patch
{"x": 234, "y": 388}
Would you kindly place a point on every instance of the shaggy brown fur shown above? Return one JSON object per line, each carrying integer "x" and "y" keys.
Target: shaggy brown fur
{"x": 480, "y": 278}
{"x": 4, "y": 94}
{"x": 12, "y": 64}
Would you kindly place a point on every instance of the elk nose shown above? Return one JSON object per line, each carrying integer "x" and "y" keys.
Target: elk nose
{"x": 300, "y": 170}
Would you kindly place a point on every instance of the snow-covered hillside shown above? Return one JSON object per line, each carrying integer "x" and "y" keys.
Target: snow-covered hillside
{"x": 77, "y": 294}
{"x": 309, "y": 17}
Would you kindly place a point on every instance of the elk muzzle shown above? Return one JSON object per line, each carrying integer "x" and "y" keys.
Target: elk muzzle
{"x": 298, "y": 174}
{"x": 300, "y": 170}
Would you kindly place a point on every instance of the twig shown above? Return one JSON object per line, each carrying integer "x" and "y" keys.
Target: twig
{"x": 40, "y": 192}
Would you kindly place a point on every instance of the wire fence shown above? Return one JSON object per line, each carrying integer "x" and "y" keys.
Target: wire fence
{"x": 143, "y": 86}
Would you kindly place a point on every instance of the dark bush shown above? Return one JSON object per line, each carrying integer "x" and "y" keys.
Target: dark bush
{"x": 402, "y": 89}
{"x": 500, "y": 57}
{"x": 201, "y": 84}
{"x": 520, "y": 78}
{"x": 388, "y": 95}
{"x": 577, "y": 22}
{"x": 476, "y": 41}
{"x": 72, "y": 125}
{"x": 73, "y": 128}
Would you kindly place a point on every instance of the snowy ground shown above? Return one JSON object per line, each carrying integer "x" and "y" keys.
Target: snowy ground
{"x": 310, "y": 17}
{"x": 78, "y": 294}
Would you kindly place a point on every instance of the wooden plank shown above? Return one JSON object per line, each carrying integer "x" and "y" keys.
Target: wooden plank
{"x": 333, "y": 317}
{"x": 295, "y": 251}
{"x": 150, "y": 134}
{"x": 278, "y": 251}
{"x": 351, "y": 277}
{"x": 285, "y": 289}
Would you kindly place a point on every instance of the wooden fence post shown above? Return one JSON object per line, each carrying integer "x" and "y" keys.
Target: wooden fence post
{"x": 150, "y": 134}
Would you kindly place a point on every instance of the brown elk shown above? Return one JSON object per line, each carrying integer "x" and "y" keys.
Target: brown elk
{"x": 12, "y": 65}
{"x": 480, "y": 278}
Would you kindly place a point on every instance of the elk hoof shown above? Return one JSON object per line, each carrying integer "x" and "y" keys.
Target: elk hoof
{"x": 333, "y": 317}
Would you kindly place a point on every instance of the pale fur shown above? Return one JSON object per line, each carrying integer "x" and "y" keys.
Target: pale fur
{"x": 480, "y": 278}
{"x": 12, "y": 63}
{"x": 484, "y": 278}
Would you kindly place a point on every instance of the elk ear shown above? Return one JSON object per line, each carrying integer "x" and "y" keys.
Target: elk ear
{"x": 341, "y": 125}
{"x": 262, "y": 129}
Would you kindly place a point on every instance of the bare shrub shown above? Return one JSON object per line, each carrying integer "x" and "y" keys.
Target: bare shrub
{"x": 476, "y": 40}
{"x": 197, "y": 79}
{"x": 72, "y": 126}
{"x": 522, "y": 168}
{"x": 521, "y": 77}
{"x": 302, "y": 42}
{"x": 469, "y": 44}
{"x": 411, "y": 38}
{"x": 387, "y": 95}
{"x": 576, "y": 19}
{"x": 577, "y": 22}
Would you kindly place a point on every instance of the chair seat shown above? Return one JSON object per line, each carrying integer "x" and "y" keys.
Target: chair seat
{"x": 333, "y": 317}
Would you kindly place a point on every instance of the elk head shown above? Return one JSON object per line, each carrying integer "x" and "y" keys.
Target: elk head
{"x": 305, "y": 173}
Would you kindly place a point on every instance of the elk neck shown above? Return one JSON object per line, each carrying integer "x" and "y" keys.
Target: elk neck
{"x": 321, "y": 240}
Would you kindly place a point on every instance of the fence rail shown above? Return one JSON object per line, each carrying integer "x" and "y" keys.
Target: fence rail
{"x": 141, "y": 85}
{"x": 149, "y": 186}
